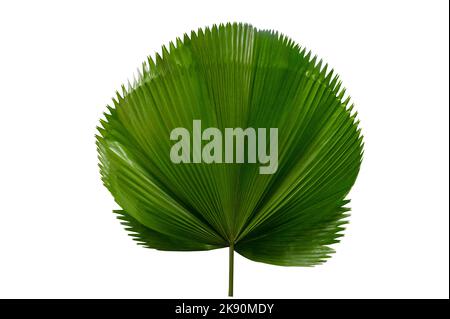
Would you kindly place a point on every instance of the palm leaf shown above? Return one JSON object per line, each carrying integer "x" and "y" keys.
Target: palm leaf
{"x": 232, "y": 76}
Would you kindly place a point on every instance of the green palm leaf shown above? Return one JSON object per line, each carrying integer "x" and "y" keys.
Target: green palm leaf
{"x": 234, "y": 76}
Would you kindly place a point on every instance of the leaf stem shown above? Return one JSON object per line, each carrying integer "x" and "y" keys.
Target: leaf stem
{"x": 230, "y": 270}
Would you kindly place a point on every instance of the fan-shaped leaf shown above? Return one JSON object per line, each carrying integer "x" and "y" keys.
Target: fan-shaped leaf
{"x": 234, "y": 76}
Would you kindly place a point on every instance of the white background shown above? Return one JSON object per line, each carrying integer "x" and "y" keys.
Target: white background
{"x": 60, "y": 63}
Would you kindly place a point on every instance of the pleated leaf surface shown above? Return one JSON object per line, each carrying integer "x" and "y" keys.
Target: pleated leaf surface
{"x": 231, "y": 76}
